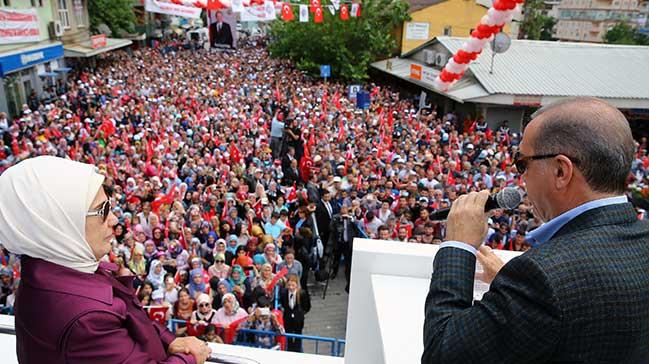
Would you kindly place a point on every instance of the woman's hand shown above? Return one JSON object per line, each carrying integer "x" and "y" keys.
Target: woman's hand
{"x": 190, "y": 345}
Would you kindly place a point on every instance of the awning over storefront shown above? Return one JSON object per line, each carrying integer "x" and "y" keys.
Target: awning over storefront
{"x": 63, "y": 69}
{"x": 84, "y": 49}
{"x": 48, "y": 74}
{"x": 29, "y": 56}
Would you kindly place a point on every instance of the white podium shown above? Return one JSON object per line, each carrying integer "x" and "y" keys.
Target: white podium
{"x": 389, "y": 284}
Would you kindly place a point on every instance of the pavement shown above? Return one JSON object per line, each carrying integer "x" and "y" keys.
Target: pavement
{"x": 328, "y": 316}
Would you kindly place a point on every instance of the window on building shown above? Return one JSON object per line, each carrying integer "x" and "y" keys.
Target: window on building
{"x": 448, "y": 31}
{"x": 64, "y": 17}
{"x": 6, "y": 2}
{"x": 78, "y": 12}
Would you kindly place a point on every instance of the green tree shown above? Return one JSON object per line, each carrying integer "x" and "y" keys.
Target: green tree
{"x": 348, "y": 46}
{"x": 535, "y": 25}
{"x": 623, "y": 33}
{"x": 117, "y": 14}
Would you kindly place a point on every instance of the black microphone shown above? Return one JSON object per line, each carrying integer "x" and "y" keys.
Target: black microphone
{"x": 508, "y": 198}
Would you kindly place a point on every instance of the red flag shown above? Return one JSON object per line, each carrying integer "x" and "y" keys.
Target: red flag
{"x": 158, "y": 313}
{"x": 311, "y": 141}
{"x": 258, "y": 208}
{"x": 235, "y": 153}
{"x": 224, "y": 212}
{"x": 359, "y": 182}
{"x": 341, "y": 131}
{"x": 488, "y": 134}
{"x": 287, "y": 12}
{"x": 278, "y": 276}
{"x": 167, "y": 199}
{"x": 451, "y": 178}
{"x": 305, "y": 167}
{"x": 344, "y": 12}
{"x": 314, "y": 5}
{"x": 337, "y": 100}
{"x": 181, "y": 238}
{"x": 318, "y": 17}
{"x": 292, "y": 195}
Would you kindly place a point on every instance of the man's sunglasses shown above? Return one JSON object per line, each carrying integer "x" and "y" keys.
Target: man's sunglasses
{"x": 521, "y": 161}
{"x": 102, "y": 211}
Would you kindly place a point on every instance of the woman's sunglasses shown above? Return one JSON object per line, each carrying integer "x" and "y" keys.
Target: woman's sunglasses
{"x": 204, "y": 305}
{"x": 102, "y": 211}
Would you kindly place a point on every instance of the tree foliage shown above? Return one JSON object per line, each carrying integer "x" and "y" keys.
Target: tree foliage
{"x": 622, "y": 33}
{"x": 117, "y": 14}
{"x": 348, "y": 46}
{"x": 537, "y": 26}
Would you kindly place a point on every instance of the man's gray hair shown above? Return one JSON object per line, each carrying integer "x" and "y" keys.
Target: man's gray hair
{"x": 594, "y": 135}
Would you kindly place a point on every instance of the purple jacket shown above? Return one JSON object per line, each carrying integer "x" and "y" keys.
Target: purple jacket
{"x": 65, "y": 316}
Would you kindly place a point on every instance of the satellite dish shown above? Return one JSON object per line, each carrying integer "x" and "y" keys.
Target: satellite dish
{"x": 501, "y": 43}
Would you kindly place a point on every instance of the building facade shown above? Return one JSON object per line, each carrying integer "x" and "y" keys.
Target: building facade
{"x": 589, "y": 20}
{"x": 31, "y": 57}
{"x": 432, "y": 18}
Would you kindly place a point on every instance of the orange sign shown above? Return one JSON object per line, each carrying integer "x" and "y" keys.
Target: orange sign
{"x": 415, "y": 71}
{"x": 98, "y": 41}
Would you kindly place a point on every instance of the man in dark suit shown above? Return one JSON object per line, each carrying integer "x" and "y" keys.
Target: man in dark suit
{"x": 222, "y": 34}
{"x": 342, "y": 233}
{"x": 324, "y": 212}
{"x": 581, "y": 295}
{"x": 291, "y": 174}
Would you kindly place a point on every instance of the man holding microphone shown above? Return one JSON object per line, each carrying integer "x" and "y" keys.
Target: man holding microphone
{"x": 582, "y": 294}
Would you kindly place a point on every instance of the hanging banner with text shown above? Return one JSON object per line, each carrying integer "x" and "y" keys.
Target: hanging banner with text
{"x": 172, "y": 9}
{"x": 19, "y": 26}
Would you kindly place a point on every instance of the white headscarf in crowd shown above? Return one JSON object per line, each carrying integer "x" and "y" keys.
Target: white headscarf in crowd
{"x": 43, "y": 205}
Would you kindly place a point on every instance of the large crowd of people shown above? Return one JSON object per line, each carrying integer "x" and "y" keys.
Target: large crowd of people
{"x": 239, "y": 181}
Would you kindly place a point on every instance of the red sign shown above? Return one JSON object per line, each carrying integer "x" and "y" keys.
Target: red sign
{"x": 98, "y": 41}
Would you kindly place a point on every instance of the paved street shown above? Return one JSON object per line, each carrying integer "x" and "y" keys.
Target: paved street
{"x": 328, "y": 317}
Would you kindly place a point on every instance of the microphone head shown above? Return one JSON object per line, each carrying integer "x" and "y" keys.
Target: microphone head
{"x": 509, "y": 198}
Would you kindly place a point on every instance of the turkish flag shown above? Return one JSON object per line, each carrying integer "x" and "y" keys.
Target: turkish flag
{"x": 317, "y": 18}
{"x": 108, "y": 128}
{"x": 344, "y": 12}
{"x": 158, "y": 313}
{"x": 292, "y": 195}
{"x": 287, "y": 12}
{"x": 305, "y": 168}
{"x": 314, "y": 5}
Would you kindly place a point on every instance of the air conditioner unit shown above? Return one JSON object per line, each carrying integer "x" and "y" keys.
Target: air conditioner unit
{"x": 55, "y": 29}
{"x": 429, "y": 56}
{"x": 440, "y": 59}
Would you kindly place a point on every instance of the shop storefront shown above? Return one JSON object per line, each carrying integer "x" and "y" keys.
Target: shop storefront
{"x": 29, "y": 71}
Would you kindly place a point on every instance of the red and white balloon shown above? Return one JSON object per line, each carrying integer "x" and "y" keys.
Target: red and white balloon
{"x": 500, "y": 13}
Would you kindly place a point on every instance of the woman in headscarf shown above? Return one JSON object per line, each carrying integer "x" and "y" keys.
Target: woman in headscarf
{"x": 218, "y": 289}
{"x": 230, "y": 312}
{"x": 158, "y": 237}
{"x": 240, "y": 285}
{"x": 137, "y": 264}
{"x": 56, "y": 214}
{"x": 265, "y": 277}
{"x": 196, "y": 284}
{"x": 219, "y": 269}
{"x": 156, "y": 274}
